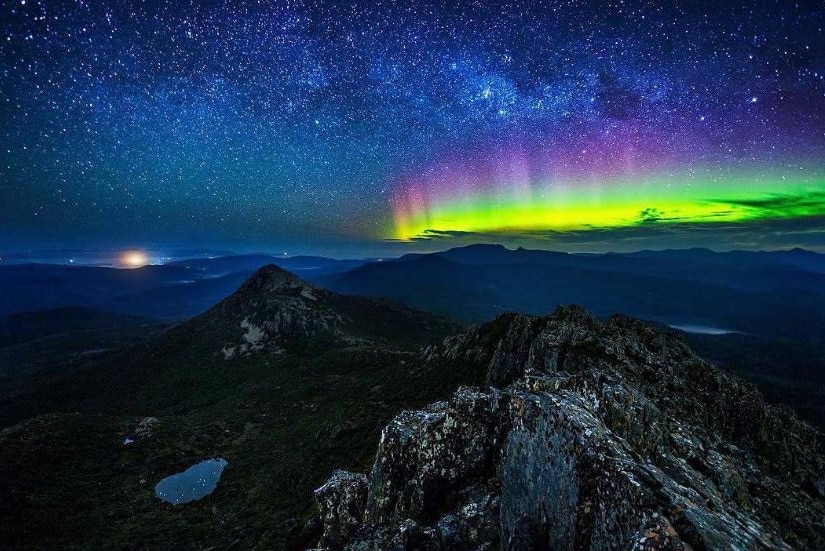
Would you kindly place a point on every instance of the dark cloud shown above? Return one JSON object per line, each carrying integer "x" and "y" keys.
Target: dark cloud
{"x": 650, "y": 214}
{"x": 781, "y": 203}
{"x": 805, "y": 232}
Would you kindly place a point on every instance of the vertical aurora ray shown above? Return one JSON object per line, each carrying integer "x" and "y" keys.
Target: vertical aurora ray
{"x": 517, "y": 192}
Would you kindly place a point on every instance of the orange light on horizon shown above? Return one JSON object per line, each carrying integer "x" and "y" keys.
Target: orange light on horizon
{"x": 134, "y": 259}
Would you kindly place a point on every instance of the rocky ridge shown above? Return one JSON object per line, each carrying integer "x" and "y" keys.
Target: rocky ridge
{"x": 275, "y": 311}
{"x": 280, "y": 308}
{"x": 589, "y": 436}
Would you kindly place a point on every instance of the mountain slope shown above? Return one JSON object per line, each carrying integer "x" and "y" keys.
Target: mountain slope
{"x": 274, "y": 309}
{"x": 591, "y": 436}
{"x": 58, "y": 339}
{"x": 273, "y": 316}
{"x": 320, "y": 374}
{"x": 26, "y": 326}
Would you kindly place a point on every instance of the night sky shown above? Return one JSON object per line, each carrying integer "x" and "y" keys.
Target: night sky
{"x": 361, "y": 128}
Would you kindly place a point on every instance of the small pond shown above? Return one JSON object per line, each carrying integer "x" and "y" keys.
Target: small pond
{"x": 196, "y": 482}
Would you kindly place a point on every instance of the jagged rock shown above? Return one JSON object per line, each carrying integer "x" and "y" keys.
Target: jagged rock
{"x": 146, "y": 428}
{"x": 411, "y": 535}
{"x": 592, "y": 436}
{"x": 659, "y": 536}
{"x": 341, "y": 503}
{"x": 422, "y": 454}
{"x": 275, "y": 312}
{"x": 280, "y": 310}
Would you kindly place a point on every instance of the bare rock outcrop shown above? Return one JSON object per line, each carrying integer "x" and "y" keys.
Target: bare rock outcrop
{"x": 590, "y": 436}
{"x": 276, "y": 312}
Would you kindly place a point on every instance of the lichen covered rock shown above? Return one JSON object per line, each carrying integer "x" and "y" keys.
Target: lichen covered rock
{"x": 659, "y": 536}
{"x": 280, "y": 310}
{"x": 341, "y": 502}
{"x": 590, "y": 436}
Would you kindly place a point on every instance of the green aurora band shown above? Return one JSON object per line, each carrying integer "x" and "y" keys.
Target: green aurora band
{"x": 577, "y": 205}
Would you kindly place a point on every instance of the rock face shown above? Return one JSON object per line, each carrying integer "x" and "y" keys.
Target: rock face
{"x": 275, "y": 311}
{"x": 590, "y": 436}
{"x": 278, "y": 309}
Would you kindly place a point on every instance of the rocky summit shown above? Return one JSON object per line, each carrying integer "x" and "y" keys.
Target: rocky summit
{"x": 588, "y": 435}
{"x": 274, "y": 311}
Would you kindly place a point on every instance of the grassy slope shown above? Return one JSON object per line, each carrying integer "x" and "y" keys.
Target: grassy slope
{"x": 283, "y": 422}
{"x": 787, "y": 372}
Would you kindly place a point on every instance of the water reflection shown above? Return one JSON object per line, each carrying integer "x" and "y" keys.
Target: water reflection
{"x": 196, "y": 482}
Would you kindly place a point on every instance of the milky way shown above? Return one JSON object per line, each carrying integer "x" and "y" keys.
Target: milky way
{"x": 311, "y": 124}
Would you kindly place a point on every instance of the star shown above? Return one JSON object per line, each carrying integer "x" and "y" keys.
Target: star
{"x": 278, "y": 125}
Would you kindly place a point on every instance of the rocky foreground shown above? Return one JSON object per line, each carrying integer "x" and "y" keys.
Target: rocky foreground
{"x": 589, "y": 436}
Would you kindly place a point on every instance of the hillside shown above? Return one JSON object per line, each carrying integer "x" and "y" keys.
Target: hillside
{"x": 32, "y": 342}
{"x": 312, "y": 378}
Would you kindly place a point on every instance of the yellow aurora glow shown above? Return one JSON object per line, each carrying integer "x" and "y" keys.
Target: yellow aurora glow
{"x": 617, "y": 204}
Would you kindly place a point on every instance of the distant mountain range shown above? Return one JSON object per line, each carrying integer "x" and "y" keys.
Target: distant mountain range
{"x": 177, "y": 290}
{"x": 761, "y": 314}
{"x": 764, "y": 293}
{"x": 752, "y": 292}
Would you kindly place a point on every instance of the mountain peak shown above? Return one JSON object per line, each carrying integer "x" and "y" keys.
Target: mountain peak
{"x": 272, "y": 278}
{"x": 275, "y": 311}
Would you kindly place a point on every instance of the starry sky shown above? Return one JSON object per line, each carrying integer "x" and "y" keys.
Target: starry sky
{"x": 363, "y": 128}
